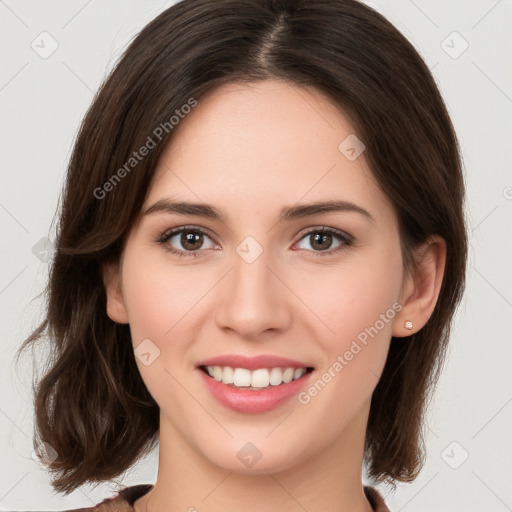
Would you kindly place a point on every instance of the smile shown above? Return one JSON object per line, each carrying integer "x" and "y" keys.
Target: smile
{"x": 261, "y": 378}
{"x": 253, "y": 385}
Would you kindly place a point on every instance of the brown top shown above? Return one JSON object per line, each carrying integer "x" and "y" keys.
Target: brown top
{"x": 125, "y": 498}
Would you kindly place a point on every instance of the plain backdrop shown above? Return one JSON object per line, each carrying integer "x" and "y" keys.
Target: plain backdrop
{"x": 55, "y": 54}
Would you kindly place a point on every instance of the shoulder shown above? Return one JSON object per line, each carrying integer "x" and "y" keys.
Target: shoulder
{"x": 121, "y": 502}
{"x": 375, "y": 498}
{"x": 124, "y": 499}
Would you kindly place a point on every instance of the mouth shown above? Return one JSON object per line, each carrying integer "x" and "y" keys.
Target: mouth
{"x": 256, "y": 384}
{"x": 255, "y": 379}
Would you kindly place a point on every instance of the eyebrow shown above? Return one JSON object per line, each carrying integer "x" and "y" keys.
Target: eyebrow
{"x": 287, "y": 213}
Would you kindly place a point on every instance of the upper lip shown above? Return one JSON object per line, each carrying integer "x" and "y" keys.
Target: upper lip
{"x": 253, "y": 363}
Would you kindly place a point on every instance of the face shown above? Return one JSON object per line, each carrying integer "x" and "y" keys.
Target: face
{"x": 319, "y": 287}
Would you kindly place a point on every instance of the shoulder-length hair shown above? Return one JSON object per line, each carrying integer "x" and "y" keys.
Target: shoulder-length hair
{"x": 91, "y": 405}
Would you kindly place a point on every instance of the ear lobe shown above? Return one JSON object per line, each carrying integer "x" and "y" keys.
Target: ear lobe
{"x": 116, "y": 308}
{"x": 420, "y": 295}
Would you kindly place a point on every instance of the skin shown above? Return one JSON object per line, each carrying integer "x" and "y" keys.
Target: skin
{"x": 250, "y": 150}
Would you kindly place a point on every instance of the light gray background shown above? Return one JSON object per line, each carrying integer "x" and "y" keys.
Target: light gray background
{"x": 42, "y": 101}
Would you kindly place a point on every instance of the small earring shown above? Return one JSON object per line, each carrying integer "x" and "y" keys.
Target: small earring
{"x": 408, "y": 325}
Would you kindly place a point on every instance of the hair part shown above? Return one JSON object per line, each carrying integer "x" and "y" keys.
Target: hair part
{"x": 92, "y": 406}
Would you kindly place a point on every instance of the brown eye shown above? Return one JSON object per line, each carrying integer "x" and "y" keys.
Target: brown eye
{"x": 191, "y": 241}
{"x": 186, "y": 240}
{"x": 321, "y": 241}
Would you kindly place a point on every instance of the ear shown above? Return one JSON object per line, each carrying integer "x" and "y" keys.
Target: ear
{"x": 421, "y": 289}
{"x": 116, "y": 308}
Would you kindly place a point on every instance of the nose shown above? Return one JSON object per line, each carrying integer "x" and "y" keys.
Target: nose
{"x": 252, "y": 300}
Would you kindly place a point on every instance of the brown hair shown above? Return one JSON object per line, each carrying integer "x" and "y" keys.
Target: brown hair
{"x": 91, "y": 406}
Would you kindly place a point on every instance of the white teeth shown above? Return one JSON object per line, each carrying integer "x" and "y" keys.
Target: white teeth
{"x": 260, "y": 378}
{"x": 217, "y": 373}
{"x": 241, "y": 377}
{"x": 227, "y": 375}
{"x": 276, "y": 376}
{"x": 298, "y": 373}
{"x": 288, "y": 375}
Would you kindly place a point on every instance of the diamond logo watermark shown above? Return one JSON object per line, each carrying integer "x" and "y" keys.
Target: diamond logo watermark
{"x": 44, "y": 45}
{"x": 249, "y": 455}
{"x": 454, "y": 45}
{"x": 44, "y": 454}
{"x": 249, "y": 249}
{"x": 146, "y": 352}
{"x": 43, "y": 250}
{"x": 454, "y": 455}
{"x": 351, "y": 147}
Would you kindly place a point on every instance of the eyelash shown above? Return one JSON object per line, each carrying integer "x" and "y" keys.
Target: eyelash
{"x": 346, "y": 240}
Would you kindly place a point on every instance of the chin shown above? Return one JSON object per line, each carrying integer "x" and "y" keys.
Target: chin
{"x": 255, "y": 458}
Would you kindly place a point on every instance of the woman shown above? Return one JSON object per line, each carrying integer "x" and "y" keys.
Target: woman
{"x": 256, "y": 264}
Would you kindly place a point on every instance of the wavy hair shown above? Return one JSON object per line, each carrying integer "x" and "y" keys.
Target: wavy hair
{"x": 91, "y": 405}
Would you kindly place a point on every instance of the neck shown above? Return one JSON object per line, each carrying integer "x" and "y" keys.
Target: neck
{"x": 328, "y": 480}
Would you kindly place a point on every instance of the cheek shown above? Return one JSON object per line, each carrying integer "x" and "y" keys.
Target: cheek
{"x": 352, "y": 299}
{"x": 359, "y": 309}
{"x": 160, "y": 302}
{"x": 163, "y": 304}
{"x": 159, "y": 298}
{"x": 356, "y": 305}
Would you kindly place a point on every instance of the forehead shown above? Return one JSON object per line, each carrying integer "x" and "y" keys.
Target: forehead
{"x": 263, "y": 144}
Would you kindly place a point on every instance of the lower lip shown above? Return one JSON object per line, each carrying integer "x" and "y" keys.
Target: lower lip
{"x": 252, "y": 402}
